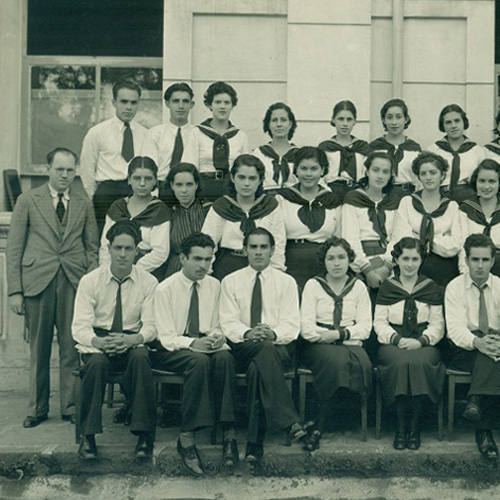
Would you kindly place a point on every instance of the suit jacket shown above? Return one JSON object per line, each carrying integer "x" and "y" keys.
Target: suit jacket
{"x": 37, "y": 247}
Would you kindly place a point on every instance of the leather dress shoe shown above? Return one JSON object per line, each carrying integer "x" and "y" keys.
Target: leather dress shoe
{"x": 69, "y": 418}
{"x": 486, "y": 444}
{"x": 473, "y": 409}
{"x": 144, "y": 447}
{"x": 191, "y": 459}
{"x": 30, "y": 422}
{"x": 88, "y": 448}
{"x": 400, "y": 440}
{"x": 413, "y": 440}
{"x": 254, "y": 453}
{"x": 230, "y": 455}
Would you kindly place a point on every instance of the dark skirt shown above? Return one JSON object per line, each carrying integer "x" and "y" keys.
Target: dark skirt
{"x": 335, "y": 366}
{"x": 402, "y": 190}
{"x": 410, "y": 373}
{"x": 440, "y": 269}
{"x": 212, "y": 188}
{"x": 302, "y": 260}
{"x": 462, "y": 192}
{"x": 496, "y": 266}
{"x": 341, "y": 188}
{"x": 227, "y": 261}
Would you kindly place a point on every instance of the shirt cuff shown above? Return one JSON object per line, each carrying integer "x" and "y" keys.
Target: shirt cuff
{"x": 395, "y": 339}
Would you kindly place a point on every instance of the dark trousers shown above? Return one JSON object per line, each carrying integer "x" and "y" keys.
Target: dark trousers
{"x": 209, "y": 379}
{"x": 106, "y": 193}
{"x": 137, "y": 384}
{"x": 52, "y": 307}
{"x": 269, "y": 402}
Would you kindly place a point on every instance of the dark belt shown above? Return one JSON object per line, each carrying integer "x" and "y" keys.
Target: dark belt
{"x": 446, "y": 189}
{"x": 302, "y": 241}
{"x": 373, "y": 247}
{"x": 345, "y": 182}
{"x": 405, "y": 186}
{"x": 110, "y": 182}
{"x": 218, "y": 174}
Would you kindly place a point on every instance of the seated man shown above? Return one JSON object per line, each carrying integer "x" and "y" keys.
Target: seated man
{"x": 259, "y": 314}
{"x": 187, "y": 319}
{"x": 472, "y": 305}
{"x": 113, "y": 319}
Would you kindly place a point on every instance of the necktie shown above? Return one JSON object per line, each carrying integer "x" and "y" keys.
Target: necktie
{"x": 117, "y": 325}
{"x": 256, "y": 304}
{"x": 60, "y": 208}
{"x": 193, "y": 321}
{"x": 483, "y": 311}
{"x": 128, "y": 143}
{"x": 178, "y": 149}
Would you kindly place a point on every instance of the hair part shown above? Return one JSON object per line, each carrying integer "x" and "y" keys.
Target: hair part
{"x": 291, "y": 117}
{"x": 142, "y": 162}
{"x": 488, "y": 164}
{"x": 345, "y": 105}
{"x": 64, "y": 151}
{"x": 428, "y": 157}
{"x": 125, "y": 84}
{"x": 219, "y": 88}
{"x": 201, "y": 240}
{"x": 450, "y": 108}
{"x": 178, "y": 87}
{"x": 124, "y": 226}
{"x": 311, "y": 153}
{"x": 396, "y": 102}
{"x": 259, "y": 231}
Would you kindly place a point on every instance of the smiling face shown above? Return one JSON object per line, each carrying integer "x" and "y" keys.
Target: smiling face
{"x": 344, "y": 122}
{"x": 195, "y": 266}
{"x": 221, "y": 107}
{"x": 309, "y": 172}
{"x": 430, "y": 176}
{"x": 336, "y": 262}
{"x": 379, "y": 173}
{"x": 279, "y": 124}
{"x": 453, "y": 125}
{"x": 394, "y": 120}
{"x": 409, "y": 262}
{"x": 487, "y": 184}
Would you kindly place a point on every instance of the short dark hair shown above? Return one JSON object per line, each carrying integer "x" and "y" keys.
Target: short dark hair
{"x": 125, "y": 84}
{"x": 291, "y": 117}
{"x": 396, "y": 102}
{"x": 487, "y": 164}
{"x": 201, "y": 240}
{"x": 335, "y": 241}
{"x": 248, "y": 160}
{"x": 311, "y": 153}
{"x": 180, "y": 168}
{"x": 409, "y": 243}
{"x": 259, "y": 231}
{"x": 345, "y": 105}
{"x": 363, "y": 182}
{"x": 219, "y": 88}
{"x": 124, "y": 226}
{"x": 479, "y": 241}
{"x": 449, "y": 109}
{"x": 65, "y": 151}
{"x": 177, "y": 87}
{"x": 428, "y": 157}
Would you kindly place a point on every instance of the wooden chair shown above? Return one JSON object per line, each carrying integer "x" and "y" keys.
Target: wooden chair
{"x": 378, "y": 409}
{"x": 306, "y": 377}
{"x": 12, "y": 185}
{"x": 454, "y": 377}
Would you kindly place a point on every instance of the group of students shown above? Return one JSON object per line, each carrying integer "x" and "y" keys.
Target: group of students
{"x": 359, "y": 228}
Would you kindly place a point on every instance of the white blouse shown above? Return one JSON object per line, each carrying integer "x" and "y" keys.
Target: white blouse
{"x": 268, "y": 179}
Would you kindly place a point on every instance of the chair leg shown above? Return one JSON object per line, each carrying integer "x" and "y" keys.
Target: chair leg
{"x": 451, "y": 405}
{"x": 78, "y": 395}
{"x": 364, "y": 415}
{"x": 302, "y": 396}
{"x": 378, "y": 409}
{"x": 440, "y": 413}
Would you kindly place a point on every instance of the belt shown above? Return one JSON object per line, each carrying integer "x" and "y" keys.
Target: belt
{"x": 346, "y": 182}
{"x": 405, "y": 186}
{"x": 218, "y": 174}
{"x": 111, "y": 181}
{"x": 302, "y": 241}
{"x": 446, "y": 189}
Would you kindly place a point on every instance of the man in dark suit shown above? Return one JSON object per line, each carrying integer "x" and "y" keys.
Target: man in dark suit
{"x": 52, "y": 243}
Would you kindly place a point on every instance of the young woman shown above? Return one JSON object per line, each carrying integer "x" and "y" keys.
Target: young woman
{"x": 336, "y": 318}
{"x": 277, "y": 156}
{"x": 409, "y": 323}
{"x": 188, "y": 214}
{"x": 232, "y": 216}
{"x": 368, "y": 219}
{"x": 150, "y": 213}
{"x": 481, "y": 214}
{"x": 311, "y": 214}
{"x": 433, "y": 219}
{"x": 459, "y": 151}
{"x": 395, "y": 120}
{"x": 344, "y": 151}
{"x": 219, "y": 141}
{"x": 493, "y": 148}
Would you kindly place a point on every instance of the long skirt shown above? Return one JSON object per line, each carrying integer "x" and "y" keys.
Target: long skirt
{"x": 337, "y": 366}
{"x": 440, "y": 269}
{"x": 410, "y": 373}
{"x": 302, "y": 261}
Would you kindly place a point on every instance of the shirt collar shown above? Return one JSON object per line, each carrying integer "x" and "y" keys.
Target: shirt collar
{"x": 109, "y": 275}
{"x": 175, "y": 127}
{"x": 55, "y": 193}
{"x": 121, "y": 125}
{"x": 469, "y": 283}
{"x": 186, "y": 281}
{"x": 264, "y": 274}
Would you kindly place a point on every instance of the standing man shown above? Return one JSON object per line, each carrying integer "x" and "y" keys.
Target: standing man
{"x": 259, "y": 314}
{"x": 174, "y": 141}
{"x": 472, "y": 305}
{"x": 109, "y": 146}
{"x": 113, "y": 320}
{"x": 187, "y": 319}
{"x": 52, "y": 243}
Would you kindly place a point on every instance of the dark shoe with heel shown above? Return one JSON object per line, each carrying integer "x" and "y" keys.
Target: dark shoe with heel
{"x": 144, "y": 447}
{"x": 413, "y": 440}
{"x": 312, "y": 440}
{"x": 486, "y": 444}
{"x": 191, "y": 459}
{"x": 30, "y": 422}
{"x": 69, "y": 418}
{"x": 400, "y": 440}
{"x": 254, "y": 453}
{"x": 230, "y": 455}
{"x": 473, "y": 409}
{"x": 88, "y": 448}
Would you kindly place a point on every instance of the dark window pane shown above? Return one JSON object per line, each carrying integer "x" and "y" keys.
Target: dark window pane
{"x": 131, "y": 28}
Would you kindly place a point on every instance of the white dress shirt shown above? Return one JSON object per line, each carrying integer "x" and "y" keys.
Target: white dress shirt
{"x": 171, "y": 306}
{"x": 101, "y": 158}
{"x": 317, "y": 307}
{"x": 448, "y": 235}
{"x": 55, "y": 197}
{"x": 237, "y": 146}
{"x": 96, "y": 300}
{"x": 228, "y": 234}
{"x": 163, "y": 137}
{"x": 280, "y": 304}
{"x": 462, "y": 308}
